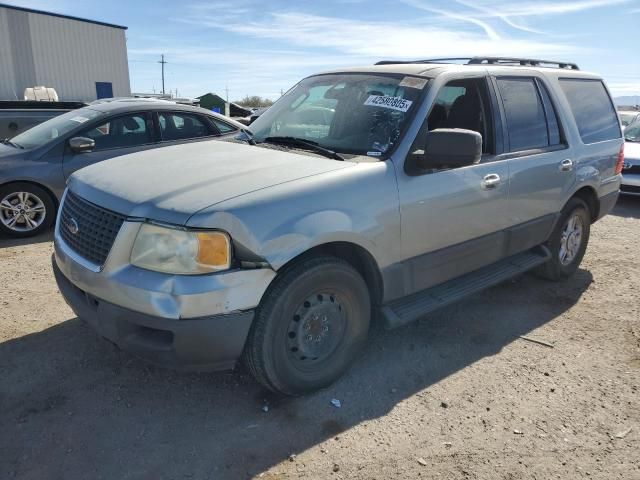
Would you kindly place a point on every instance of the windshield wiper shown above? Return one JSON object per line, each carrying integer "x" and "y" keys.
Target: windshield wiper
{"x": 306, "y": 144}
{"x": 249, "y": 136}
{"x": 6, "y": 141}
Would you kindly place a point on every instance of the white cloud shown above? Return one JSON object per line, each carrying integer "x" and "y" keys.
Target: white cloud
{"x": 381, "y": 39}
{"x": 543, "y": 8}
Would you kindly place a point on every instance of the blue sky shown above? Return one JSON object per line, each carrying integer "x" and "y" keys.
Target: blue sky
{"x": 263, "y": 47}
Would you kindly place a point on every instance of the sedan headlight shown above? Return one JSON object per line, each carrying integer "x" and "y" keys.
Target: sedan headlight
{"x": 185, "y": 252}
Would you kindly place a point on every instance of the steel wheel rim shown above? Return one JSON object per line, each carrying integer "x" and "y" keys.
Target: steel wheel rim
{"x": 316, "y": 330}
{"x": 22, "y": 211}
{"x": 571, "y": 239}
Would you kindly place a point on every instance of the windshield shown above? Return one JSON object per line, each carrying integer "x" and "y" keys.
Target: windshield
{"x": 627, "y": 118}
{"x": 360, "y": 114}
{"x": 54, "y": 128}
{"x": 632, "y": 134}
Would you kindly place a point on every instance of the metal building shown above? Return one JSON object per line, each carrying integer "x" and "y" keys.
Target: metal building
{"x": 82, "y": 59}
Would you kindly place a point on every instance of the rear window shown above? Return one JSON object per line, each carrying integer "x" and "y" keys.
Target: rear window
{"x": 592, "y": 108}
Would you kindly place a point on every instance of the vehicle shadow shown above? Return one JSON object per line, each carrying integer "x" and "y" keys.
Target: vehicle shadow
{"x": 627, "y": 206}
{"x": 73, "y": 406}
{"x": 6, "y": 241}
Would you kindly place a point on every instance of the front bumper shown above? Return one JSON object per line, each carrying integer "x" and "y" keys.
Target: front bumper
{"x": 207, "y": 343}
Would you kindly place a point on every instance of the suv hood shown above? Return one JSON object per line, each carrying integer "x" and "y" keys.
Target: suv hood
{"x": 172, "y": 183}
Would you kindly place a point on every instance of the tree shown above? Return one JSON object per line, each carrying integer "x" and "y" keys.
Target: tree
{"x": 254, "y": 101}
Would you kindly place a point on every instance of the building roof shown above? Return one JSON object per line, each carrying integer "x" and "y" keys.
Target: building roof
{"x": 59, "y": 15}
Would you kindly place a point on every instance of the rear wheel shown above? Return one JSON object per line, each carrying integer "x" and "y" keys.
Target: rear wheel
{"x": 568, "y": 242}
{"x": 309, "y": 328}
{"x": 25, "y": 210}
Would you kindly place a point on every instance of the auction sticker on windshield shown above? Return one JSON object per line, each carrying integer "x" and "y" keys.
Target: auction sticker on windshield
{"x": 394, "y": 103}
{"x": 79, "y": 119}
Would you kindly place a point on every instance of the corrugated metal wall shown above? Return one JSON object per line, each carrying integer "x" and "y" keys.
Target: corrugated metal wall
{"x": 68, "y": 55}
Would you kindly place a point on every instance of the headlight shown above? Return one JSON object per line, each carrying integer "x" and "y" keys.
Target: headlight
{"x": 177, "y": 251}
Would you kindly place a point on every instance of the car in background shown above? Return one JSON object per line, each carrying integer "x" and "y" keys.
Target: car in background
{"x": 631, "y": 167}
{"x": 17, "y": 116}
{"x": 627, "y": 117}
{"x": 35, "y": 165}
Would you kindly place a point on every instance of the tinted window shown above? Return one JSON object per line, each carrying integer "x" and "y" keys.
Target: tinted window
{"x": 553, "y": 127}
{"x": 223, "y": 127}
{"x": 526, "y": 124}
{"x": 126, "y": 131}
{"x": 592, "y": 108}
{"x": 181, "y": 126}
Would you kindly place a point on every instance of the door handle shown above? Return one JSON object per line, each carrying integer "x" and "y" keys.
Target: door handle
{"x": 490, "y": 181}
{"x": 566, "y": 165}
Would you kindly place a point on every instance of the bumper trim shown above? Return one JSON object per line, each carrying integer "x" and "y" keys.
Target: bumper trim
{"x": 203, "y": 344}
{"x": 607, "y": 202}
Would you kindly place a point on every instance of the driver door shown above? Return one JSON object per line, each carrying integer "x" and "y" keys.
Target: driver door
{"x": 453, "y": 220}
{"x": 114, "y": 137}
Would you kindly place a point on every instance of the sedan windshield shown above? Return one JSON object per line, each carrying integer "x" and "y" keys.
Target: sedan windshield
{"x": 359, "y": 114}
{"x": 54, "y": 128}
{"x": 632, "y": 134}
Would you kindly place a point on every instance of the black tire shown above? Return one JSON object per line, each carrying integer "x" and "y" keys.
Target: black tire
{"x": 44, "y": 218}
{"x": 555, "y": 269}
{"x": 317, "y": 293}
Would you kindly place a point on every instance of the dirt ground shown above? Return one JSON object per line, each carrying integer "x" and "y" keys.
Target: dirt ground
{"x": 457, "y": 395}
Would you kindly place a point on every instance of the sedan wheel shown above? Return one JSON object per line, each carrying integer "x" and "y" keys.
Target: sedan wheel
{"x": 25, "y": 210}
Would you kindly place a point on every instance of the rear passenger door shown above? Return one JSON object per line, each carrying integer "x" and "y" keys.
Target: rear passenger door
{"x": 117, "y": 136}
{"x": 542, "y": 172}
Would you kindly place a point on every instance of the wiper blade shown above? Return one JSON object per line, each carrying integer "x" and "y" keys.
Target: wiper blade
{"x": 307, "y": 144}
{"x": 6, "y": 141}
{"x": 249, "y": 136}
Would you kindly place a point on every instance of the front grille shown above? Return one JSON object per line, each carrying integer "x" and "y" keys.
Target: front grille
{"x": 631, "y": 169}
{"x": 95, "y": 228}
{"x": 630, "y": 188}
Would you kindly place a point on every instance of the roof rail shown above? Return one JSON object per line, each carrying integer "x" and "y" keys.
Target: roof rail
{"x": 505, "y": 61}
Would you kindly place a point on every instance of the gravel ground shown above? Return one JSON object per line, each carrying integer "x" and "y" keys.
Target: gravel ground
{"x": 456, "y": 395}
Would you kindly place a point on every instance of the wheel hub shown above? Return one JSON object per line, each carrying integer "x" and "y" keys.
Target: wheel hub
{"x": 22, "y": 211}
{"x": 571, "y": 240}
{"x": 315, "y": 329}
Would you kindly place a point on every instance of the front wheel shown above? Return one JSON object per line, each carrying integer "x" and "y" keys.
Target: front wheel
{"x": 310, "y": 326}
{"x": 25, "y": 210}
{"x": 568, "y": 242}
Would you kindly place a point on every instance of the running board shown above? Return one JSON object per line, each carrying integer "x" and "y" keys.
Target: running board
{"x": 412, "y": 307}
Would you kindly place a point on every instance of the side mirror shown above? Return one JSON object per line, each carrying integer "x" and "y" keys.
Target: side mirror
{"x": 450, "y": 148}
{"x": 82, "y": 144}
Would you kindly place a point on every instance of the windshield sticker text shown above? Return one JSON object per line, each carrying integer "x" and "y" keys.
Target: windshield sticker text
{"x": 79, "y": 119}
{"x": 394, "y": 103}
{"x": 413, "y": 82}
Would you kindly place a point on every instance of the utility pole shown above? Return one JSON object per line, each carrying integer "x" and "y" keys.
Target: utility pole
{"x": 163, "y": 63}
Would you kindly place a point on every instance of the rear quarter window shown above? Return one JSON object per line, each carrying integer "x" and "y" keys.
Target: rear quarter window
{"x": 592, "y": 109}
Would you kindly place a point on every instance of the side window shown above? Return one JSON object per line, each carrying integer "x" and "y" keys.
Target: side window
{"x": 464, "y": 104}
{"x": 592, "y": 108}
{"x": 182, "y": 126}
{"x": 125, "y": 131}
{"x": 525, "y": 115}
{"x": 222, "y": 127}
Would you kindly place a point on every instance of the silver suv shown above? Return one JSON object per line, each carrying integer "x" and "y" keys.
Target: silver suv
{"x": 396, "y": 188}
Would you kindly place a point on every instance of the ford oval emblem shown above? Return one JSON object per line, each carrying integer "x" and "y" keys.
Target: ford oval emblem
{"x": 72, "y": 226}
{"x": 626, "y": 166}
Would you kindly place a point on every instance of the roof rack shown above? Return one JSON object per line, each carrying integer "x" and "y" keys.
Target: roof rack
{"x": 505, "y": 61}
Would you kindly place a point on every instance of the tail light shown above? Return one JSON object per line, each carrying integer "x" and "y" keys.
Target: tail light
{"x": 620, "y": 160}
